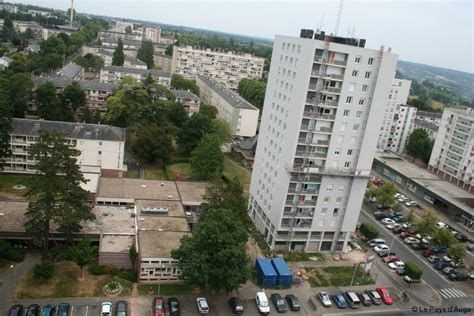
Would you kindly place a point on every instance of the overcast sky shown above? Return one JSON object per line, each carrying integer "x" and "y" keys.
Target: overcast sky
{"x": 438, "y": 33}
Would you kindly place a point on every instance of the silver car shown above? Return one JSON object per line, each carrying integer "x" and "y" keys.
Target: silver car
{"x": 324, "y": 298}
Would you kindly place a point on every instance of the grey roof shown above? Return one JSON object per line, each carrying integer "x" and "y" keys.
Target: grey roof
{"x": 429, "y": 114}
{"x": 127, "y": 58}
{"x": 124, "y": 41}
{"x": 71, "y": 71}
{"x": 71, "y": 130}
{"x": 428, "y": 125}
{"x": 136, "y": 71}
{"x": 183, "y": 94}
{"x": 230, "y": 96}
{"x": 7, "y": 59}
{"x": 249, "y": 143}
{"x": 85, "y": 84}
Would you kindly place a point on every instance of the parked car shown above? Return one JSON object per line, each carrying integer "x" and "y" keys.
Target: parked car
{"x": 392, "y": 226}
{"x": 457, "y": 276}
{"x": 50, "y": 310}
{"x": 411, "y": 204}
{"x": 396, "y": 264}
{"x": 324, "y": 298}
{"x": 447, "y": 259}
{"x": 352, "y": 299}
{"x": 460, "y": 237}
{"x": 380, "y": 215}
{"x": 236, "y": 305}
{"x": 406, "y": 234}
{"x": 365, "y": 299}
{"x": 459, "y": 264}
{"x": 410, "y": 240}
{"x": 293, "y": 302}
{"x": 374, "y": 297}
{"x": 440, "y": 265}
{"x": 121, "y": 308}
{"x": 471, "y": 275}
{"x": 381, "y": 247}
{"x": 386, "y": 253}
{"x": 106, "y": 309}
{"x": 447, "y": 270}
{"x": 410, "y": 280}
{"x": 173, "y": 306}
{"x": 63, "y": 310}
{"x": 202, "y": 305}
{"x": 400, "y": 271}
{"x": 33, "y": 310}
{"x": 158, "y": 306}
{"x": 385, "y": 295}
{"x": 398, "y": 230}
{"x": 279, "y": 303}
{"x": 427, "y": 253}
{"x": 262, "y": 303}
{"x": 433, "y": 259}
{"x": 387, "y": 221}
{"x": 375, "y": 242}
{"x": 439, "y": 250}
{"x": 16, "y": 310}
{"x": 339, "y": 300}
{"x": 470, "y": 247}
{"x": 441, "y": 225}
{"x": 390, "y": 259}
{"x": 418, "y": 246}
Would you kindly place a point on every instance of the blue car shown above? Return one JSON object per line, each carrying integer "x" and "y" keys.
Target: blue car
{"x": 339, "y": 299}
{"x": 439, "y": 250}
{"x": 398, "y": 218}
{"x": 440, "y": 265}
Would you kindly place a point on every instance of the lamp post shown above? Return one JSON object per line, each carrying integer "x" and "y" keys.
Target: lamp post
{"x": 14, "y": 278}
{"x": 355, "y": 267}
{"x": 159, "y": 282}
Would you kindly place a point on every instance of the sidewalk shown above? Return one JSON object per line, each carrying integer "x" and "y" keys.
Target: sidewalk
{"x": 10, "y": 276}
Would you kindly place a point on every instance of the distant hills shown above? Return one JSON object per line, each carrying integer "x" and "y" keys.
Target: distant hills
{"x": 458, "y": 82}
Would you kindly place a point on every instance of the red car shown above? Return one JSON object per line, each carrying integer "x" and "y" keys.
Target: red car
{"x": 159, "y": 307}
{"x": 405, "y": 235}
{"x": 390, "y": 259}
{"x": 426, "y": 253}
{"x": 385, "y": 295}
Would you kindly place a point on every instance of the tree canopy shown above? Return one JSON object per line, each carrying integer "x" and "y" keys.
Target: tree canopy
{"x": 419, "y": 145}
{"x": 145, "y": 54}
{"x": 20, "y": 93}
{"x": 55, "y": 192}
{"x": 214, "y": 258}
{"x": 119, "y": 57}
{"x": 207, "y": 159}
{"x": 152, "y": 144}
{"x": 385, "y": 194}
{"x": 179, "y": 83}
{"x": 253, "y": 90}
{"x": 5, "y": 119}
{"x": 228, "y": 196}
{"x": 427, "y": 225}
{"x": 193, "y": 131}
{"x": 413, "y": 270}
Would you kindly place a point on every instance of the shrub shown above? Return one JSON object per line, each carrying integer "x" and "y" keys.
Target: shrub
{"x": 369, "y": 231}
{"x": 179, "y": 160}
{"x": 129, "y": 275}
{"x": 413, "y": 270}
{"x": 16, "y": 255}
{"x": 111, "y": 270}
{"x": 43, "y": 272}
{"x": 97, "y": 269}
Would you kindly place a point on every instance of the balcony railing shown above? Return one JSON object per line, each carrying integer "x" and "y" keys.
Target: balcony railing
{"x": 322, "y": 142}
{"x": 332, "y": 89}
{"x": 319, "y": 59}
{"x": 325, "y": 116}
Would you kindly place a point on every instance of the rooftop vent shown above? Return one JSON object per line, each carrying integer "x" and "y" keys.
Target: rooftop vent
{"x": 170, "y": 196}
{"x": 162, "y": 184}
{"x": 155, "y": 210}
{"x": 144, "y": 186}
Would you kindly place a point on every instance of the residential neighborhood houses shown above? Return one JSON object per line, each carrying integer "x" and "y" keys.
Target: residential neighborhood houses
{"x": 147, "y": 168}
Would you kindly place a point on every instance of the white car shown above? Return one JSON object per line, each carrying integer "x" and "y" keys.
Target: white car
{"x": 397, "y": 195}
{"x": 380, "y": 248}
{"x": 262, "y": 303}
{"x": 387, "y": 221}
{"x": 202, "y": 305}
{"x": 441, "y": 225}
{"x": 410, "y": 204}
{"x": 324, "y": 298}
{"x": 106, "y": 309}
{"x": 410, "y": 240}
{"x": 392, "y": 226}
{"x": 396, "y": 264}
{"x": 447, "y": 259}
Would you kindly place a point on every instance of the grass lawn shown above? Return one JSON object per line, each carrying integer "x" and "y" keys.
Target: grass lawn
{"x": 152, "y": 171}
{"x": 337, "y": 276}
{"x": 182, "y": 168}
{"x": 233, "y": 169}
{"x": 8, "y": 181}
{"x": 165, "y": 289}
{"x": 303, "y": 256}
{"x": 130, "y": 174}
{"x": 65, "y": 283}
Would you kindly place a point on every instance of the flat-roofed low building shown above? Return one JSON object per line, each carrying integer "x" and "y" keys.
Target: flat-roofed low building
{"x": 192, "y": 194}
{"x": 429, "y": 121}
{"x": 45, "y": 14}
{"x": 190, "y": 101}
{"x": 232, "y": 108}
{"x": 106, "y": 35}
{"x": 114, "y": 74}
{"x": 72, "y": 71}
{"x": 129, "y": 62}
{"x": 127, "y": 44}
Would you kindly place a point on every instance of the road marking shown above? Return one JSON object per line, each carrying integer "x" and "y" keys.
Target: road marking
{"x": 87, "y": 309}
{"x": 72, "y": 310}
{"x": 449, "y": 293}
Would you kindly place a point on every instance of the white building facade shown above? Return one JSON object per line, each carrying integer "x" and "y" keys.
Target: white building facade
{"x": 398, "y": 95}
{"x": 429, "y": 121}
{"x": 232, "y": 108}
{"x": 114, "y": 74}
{"x": 226, "y": 67}
{"x": 325, "y": 98}
{"x": 402, "y": 127}
{"x": 100, "y": 145}
{"x": 152, "y": 34}
{"x": 452, "y": 157}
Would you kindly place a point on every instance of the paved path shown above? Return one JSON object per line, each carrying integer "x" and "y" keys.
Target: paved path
{"x": 11, "y": 276}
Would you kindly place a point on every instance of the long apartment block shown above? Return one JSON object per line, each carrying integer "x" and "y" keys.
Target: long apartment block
{"x": 114, "y": 74}
{"x": 324, "y": 105}
{"x": 226, "y": 67}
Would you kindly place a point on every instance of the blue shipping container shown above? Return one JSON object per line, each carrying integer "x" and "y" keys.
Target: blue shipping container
{"x": 265, "y": 271}
{"x": 284, "y": 274}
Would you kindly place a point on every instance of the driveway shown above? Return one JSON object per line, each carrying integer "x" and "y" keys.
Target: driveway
{"x": 9, "y": 278}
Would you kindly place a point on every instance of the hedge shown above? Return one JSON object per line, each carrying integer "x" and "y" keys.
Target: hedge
{"x": 369, "y": 231}
{"x": 413, "y": 270}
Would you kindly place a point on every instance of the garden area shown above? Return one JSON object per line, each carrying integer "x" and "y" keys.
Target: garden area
{"x": 13, "y": 184}
{"x": 337, "y": 276}
{"x": 165, "y": 289}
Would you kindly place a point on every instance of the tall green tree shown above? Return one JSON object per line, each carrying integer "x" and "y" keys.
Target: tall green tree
{"x": 145, "y": 54}
{"x": 179, "y": 83}
{"x": 443, "y": 238}
{"x": 152, "y": 144}
{"x": 177, "y": 114}
{"x": 82, "y": 253}
{"x": 208, "y": 110}
{"x": 119, "y": 57}
{"x": 427, "y": 225}
{"x": 128, "y": 30}
{"x": 5, "y": 119}
{"x": 419, "y": 145}
{"x": 253, "y": 90}
{"x": 21, "y": 93}
{"x": 55, "y": 192}
{"x": 169, "y": 50}
{"x": 207, "y": 159}
{"x": 73, "y": 96}
{"x": 47, "y": 102}
{"x": 413, "y": 270}
{"x": 193, "y": 131}
{"x": 457, "y": 251}
{"x": 222, "y": 129}
{"x": 227, "y": 195}
{"x": 214, "y": 257}
{"x": 385, "y": 194}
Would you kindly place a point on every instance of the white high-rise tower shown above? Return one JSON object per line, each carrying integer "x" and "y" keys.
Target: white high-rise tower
{"x": 324, "y": 105}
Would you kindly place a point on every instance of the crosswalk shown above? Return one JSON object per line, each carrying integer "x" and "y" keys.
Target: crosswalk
{"x": 451, "y": 293}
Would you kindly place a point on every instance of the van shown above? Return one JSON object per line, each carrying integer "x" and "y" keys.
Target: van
{"x": 262, "y": 303}
{"x": 375, "y": 242}
{"x": 352, "y": 299}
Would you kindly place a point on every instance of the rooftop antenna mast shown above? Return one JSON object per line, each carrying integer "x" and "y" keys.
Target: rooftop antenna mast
{"x": 71, "y": 14}
{"x": 338, "y": 21}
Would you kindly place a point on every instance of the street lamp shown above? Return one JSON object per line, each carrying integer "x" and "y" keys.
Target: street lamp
{"x": 159, "y": 281}
{"x": 14, "y": 278}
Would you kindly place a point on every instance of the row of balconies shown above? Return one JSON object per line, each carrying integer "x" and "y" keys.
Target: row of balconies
{"x": 319, "y": 59}
{"x": 316, "y": 73}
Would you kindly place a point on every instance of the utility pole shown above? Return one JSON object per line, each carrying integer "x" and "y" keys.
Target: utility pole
{"x": 339, "y": 14}
{"x": 71, "y": 14}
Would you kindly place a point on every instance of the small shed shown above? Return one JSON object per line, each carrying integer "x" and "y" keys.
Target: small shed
{"x": 284, "y": 274}
{"x": 265, "y": 271}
